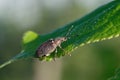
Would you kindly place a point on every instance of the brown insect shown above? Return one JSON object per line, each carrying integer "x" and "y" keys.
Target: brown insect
{"x": 51, "y": 45}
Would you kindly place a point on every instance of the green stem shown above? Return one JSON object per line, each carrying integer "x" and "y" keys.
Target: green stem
{"x": 6, "y": 63}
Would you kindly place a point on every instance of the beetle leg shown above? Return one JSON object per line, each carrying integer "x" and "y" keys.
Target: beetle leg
{"x": 56, "y": 50}
{"x": 69, "y": 54}
{"x": 61, "y": 47}
{"x": 54, "y": 59}
{"x": 55, "y": 54}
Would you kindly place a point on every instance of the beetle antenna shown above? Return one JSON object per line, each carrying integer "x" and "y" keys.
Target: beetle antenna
{"x": 69, "y": 31}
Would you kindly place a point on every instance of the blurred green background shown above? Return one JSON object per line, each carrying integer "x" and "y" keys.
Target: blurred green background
{"x": 96, "y": 61}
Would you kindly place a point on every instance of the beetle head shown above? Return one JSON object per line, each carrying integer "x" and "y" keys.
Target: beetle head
{"x": 59, "y": 40}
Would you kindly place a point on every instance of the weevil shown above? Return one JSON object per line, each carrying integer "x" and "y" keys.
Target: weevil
{"x": 46, "y": 48}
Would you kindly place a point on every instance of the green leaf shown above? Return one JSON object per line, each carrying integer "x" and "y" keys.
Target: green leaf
{"x": 116, "y": 76}
{"x": 101, "y": 24}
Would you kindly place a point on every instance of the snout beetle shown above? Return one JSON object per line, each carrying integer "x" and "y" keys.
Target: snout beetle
{"x": 46, "y": 48}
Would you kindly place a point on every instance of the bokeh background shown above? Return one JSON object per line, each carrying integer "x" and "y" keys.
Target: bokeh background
{"x": 96, "y": 61}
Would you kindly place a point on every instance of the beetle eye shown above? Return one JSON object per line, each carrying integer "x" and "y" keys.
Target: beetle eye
{"x": 51, "y": 40}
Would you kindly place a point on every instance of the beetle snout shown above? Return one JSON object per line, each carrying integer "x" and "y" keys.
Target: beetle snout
{"x": 63, "y": 39}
